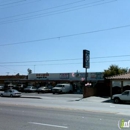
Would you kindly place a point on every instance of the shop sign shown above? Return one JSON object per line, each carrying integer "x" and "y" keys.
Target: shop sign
{"x": 64, "y": 76}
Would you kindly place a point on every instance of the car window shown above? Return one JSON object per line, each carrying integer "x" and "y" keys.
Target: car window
{"x": 15, "y": 91}
{"x": 125, "y": 93}
{"x": 29, "y": 86}
{"x": 59, "y": 85}
{"x": 8, "y": 90}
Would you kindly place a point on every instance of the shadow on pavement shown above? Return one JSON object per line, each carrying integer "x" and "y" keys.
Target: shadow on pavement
{"x": 31, "y": 97}
{"x": 107, "y": 101}
{"x": 111, "y": 101}
{"x": 75, "y": 100}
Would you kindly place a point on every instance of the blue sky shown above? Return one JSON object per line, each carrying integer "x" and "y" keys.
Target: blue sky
{"x": 50, "y": 36}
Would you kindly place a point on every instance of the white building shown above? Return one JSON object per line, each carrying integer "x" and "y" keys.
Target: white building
{"x": 94, "y": 76}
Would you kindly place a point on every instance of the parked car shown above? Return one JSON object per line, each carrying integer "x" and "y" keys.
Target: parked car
{"x": 62, "y": 88}
{"x": 11, "y": 93}
{"x": 30, "y": 89}
{"x": 19, "y": 87}
{"x": 43, "y": 89}
{"x": 1, "y": 88}
{"x": 125, "y": 97}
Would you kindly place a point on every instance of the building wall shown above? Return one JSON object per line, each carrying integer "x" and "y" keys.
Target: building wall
{"x": 12, "y": 78}
{"x": 66, "y": 76}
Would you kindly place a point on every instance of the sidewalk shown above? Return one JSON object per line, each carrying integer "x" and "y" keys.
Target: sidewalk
{"x": 93, "y": 104}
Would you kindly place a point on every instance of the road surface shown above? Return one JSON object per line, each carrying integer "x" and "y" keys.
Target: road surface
{"x": 37, "y": 118}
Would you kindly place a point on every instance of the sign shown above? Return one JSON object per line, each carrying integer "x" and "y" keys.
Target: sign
{"x": 42, "y": 75}
{"x": 64, "y": 76}
{"x": 122, "y": 124}
{"x": 86, "y": 59}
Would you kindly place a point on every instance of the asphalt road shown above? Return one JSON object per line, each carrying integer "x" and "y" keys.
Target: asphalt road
{"x": 37, "y": 118}
{"x": 68, "y": 102}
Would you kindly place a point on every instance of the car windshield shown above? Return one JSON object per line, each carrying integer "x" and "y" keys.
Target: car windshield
{"x": 15, "y": 90}
{"x": 11, "y": 90}
{"x": 125, "y": 93}
{"x": 42, "y": 87}
{"x": 58, "y": 85}
{"x": 29, "y": 87}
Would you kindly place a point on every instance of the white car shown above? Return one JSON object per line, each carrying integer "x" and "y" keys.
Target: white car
{"x": 125, "y": 96}
{"x": 43, "y": 89}
{"x": 11, "y": 93}
{"x": 30, "y": 89}
{"x": 62, "y": 88}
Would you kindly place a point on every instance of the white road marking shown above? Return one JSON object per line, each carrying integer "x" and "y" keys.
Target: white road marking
{"x": 35, "y": 123}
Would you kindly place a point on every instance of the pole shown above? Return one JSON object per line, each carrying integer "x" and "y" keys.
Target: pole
{"x": 86, "y": 75}
{"x": 84, "y": 91}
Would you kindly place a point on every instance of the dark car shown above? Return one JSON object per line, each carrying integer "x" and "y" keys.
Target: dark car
{"x": 43, "y": 89}
{"x": 1, "y": 88}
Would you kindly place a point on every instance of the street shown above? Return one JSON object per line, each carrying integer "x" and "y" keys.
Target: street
{"x": 31, "y": 118}
{"x": 68, "y": 101}
{"x": 56, "y": 112}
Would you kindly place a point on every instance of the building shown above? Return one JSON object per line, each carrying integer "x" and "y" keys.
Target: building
{"x": 77, "y": 79}
{"x": 93, "y": 77}
{"x": 14, "y": 79}
{"x": 119, "y": 83}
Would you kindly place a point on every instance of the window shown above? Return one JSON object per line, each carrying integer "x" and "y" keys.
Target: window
{"x": 125, "y": 93}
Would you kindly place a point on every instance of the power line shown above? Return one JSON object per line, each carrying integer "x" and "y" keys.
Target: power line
{"x": 10, "y": 3}
{"x": 53, "y": 12}
{"x": 41, "y": 61}
{"x": 75, "y": 59}
{"x": 43, "y": 9}
{"x": 110, "y": 56}
{"x": 69, "y": 35}
{"x": 69, "y": 63}
{"x": 7, "y": 5}
{"x": 3, "y": 66}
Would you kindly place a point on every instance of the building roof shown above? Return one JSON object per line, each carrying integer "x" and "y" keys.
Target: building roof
{"x": 15, "y": 77}
{"x": 121, "y": 76}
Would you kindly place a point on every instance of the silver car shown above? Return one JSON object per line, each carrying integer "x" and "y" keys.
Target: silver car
{"x": 43, "y": 89}
{"x": 11, "y": 93}
{"x": 30, "y": 89}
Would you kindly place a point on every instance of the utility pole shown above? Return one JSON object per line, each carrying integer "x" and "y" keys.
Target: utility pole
{"x": 86, "y": 65}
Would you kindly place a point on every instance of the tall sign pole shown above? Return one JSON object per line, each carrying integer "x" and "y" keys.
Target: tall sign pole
{"x": 86, "y": 65}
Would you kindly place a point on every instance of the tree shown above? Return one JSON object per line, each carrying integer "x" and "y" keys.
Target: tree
{"x": 17, "y": 74}
{"x": 114, "y": 70}
{"x": 29, "y": 71}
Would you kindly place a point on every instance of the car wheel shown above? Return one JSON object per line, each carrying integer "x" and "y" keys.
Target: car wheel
{"x": 116, "y": 100}
{"x": 11, "y": 95}
{"x": 1, "y": 95}
{"x": 53, "y": 93}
